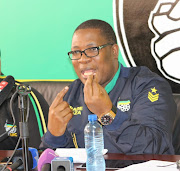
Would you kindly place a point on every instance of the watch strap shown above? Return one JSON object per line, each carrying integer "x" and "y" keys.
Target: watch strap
{"x": 112, "y": 113}
{"x": 114, "y": 109}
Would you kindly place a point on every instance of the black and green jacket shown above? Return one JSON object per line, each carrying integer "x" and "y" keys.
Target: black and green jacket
{"x": 144, "y": 119}
{"x": 37, "y": 121}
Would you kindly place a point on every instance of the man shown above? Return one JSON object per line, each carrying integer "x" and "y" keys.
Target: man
{"x": 9, "y": 124}
{"x": 134, "y": 105}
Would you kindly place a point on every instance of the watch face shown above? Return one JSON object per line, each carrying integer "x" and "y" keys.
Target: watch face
{"x": 106, "y": 119}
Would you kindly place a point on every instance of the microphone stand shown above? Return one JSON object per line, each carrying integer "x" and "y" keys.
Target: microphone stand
{"x": 23, "y": 105}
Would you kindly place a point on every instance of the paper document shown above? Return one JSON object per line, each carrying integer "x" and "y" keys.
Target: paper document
{"x": 152, "y": 165}
{"x": 78, "y": 154}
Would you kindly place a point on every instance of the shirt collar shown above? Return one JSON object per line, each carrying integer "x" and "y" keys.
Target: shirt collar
{"x": 112, "y": 83}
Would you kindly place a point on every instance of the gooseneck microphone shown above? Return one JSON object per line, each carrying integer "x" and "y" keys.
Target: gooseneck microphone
{"x": 23, "y": 105}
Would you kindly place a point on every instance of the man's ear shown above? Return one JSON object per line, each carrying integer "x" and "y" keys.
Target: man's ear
{"x": 115, "y": 51}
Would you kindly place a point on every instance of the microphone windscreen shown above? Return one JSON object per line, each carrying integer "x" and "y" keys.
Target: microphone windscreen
{"x": 6, "y": 86}
{"x": 46, "y": 157}
{"x": 46, "y": 167}
{"x": 33, "y": 157}
{"x": 19, "y": 156}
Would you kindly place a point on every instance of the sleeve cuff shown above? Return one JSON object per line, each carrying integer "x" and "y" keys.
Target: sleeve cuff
{"x": 55, "y": 141}
{"x": 118, "y": 120}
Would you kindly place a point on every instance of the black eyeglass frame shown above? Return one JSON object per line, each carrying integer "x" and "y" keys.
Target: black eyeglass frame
{"x": 98, "y": 48}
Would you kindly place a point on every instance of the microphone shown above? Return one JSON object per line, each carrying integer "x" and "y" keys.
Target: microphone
{"x": 62, "y": 164}
{"x": 44, "y": 162}
{"x": 46, "y": 167}
{"x": 35, "y": 156}
{"x": 6, "y": 86}
{"x": 17, "y": 160}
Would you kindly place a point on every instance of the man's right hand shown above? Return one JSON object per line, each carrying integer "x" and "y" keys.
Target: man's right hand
{"x": 59, "y": 114}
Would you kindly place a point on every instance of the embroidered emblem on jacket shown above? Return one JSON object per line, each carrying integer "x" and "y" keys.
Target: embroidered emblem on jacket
{"x": 77, "y": 110}
{"x": 13, "y": 131}
{"x": 153, "y": 95}
{"x": 124, "y": 106}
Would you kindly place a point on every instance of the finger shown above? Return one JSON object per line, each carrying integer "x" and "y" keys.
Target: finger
{"x": 88, "y": 91}
{"x": 57, "y": 123}
{"x": 96, "y": 86}
{"x": 62, "y": 109}
{"x": 68, "y": 117}
{"x": 59, "y": 97}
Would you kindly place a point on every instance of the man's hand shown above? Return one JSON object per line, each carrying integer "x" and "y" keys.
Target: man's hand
{"x": 96, "y": 97}
{"x": 59, "y": 114}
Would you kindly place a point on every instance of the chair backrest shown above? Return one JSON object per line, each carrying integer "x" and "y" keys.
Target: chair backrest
{"x": 176, "y": 127}
{"x": 49, "y": 89}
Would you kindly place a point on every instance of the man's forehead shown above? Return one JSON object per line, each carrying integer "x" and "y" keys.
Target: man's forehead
{"x": 86, "y": 33}
{"x": 78, "y": 45}
{"x": 87, "y": 29}
{"x": 88, "y": 37}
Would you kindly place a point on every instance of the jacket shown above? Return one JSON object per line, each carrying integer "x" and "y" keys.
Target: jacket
{"x": 38, "y": 115}
{"x": 144, "y": 118}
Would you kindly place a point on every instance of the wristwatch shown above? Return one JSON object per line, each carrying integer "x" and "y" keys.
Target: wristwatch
{"x": 106, "y": 119}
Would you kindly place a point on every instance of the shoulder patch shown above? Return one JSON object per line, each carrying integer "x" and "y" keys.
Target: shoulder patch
{"x": 153, "y": 95}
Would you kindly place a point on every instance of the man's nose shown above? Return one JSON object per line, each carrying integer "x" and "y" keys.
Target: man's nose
{"x": 84, "y": 58}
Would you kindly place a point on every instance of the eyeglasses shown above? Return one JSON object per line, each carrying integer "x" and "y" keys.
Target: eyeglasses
{"x": 89, "y": 52}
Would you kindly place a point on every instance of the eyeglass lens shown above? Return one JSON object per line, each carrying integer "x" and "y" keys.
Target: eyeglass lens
{"x": 90, "y": 52}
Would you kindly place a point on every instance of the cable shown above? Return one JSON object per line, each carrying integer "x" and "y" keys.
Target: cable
{"x": 11, "y": 155}
{"x": 28, "y": 109}
{"x": 12, "y": 114}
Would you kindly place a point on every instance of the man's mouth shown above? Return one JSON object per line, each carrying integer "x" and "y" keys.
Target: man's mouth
{"x": 86, "y": 73}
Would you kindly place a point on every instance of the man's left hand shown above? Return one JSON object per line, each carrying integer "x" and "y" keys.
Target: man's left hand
{"x": 96, "y": 97}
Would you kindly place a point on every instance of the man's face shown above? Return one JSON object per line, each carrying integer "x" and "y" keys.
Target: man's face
{"x": 104, "y": 66}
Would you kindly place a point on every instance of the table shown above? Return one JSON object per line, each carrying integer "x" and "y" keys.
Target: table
{"x": 113, "y": 156}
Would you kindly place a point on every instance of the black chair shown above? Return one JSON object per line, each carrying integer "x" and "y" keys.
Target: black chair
{"x": 176, "y": 127}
